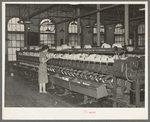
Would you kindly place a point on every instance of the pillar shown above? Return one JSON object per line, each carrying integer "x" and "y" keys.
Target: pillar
{"x": 126, "y": 23}
{"x": 98, "y": 26}
{"x": 135, "y": 36}
{"x": 78, "y": 28}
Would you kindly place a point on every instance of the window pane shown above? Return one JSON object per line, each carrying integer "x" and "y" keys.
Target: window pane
{"x": 22, "y": 36}
{"x": 14, "y": 57}
{"x": 95, "y": 30}
{"x": 22, "y": 43}
{"x": 9, "y": 27}
{"x": 21, "y": 27}
{"x": 52, "y": 28}
{"x": 18, "y": 43}
{"x": 13, "y": 43}
{"x": 10, "y": 57}
{"x": 9, "y": 43}
{"x": 42, "y": 42}
{"x": 18, "y": 37}
{"x": 18, "y": 49}
{"x": 13, "y": 37}
{"x": 45, "y": 42}
{"x": 44, "y": 29}
{"x": 18, "y": 27}
{"x": 45, "y": 36}
{"x": 119, "y": 38}
{"x": 72, "y": 28}
{"x": 14, "y": 50}
{"x": 41, "y": 37}
{"x": 14, "y": 26}
{"x": 141, "y": 37}
{"x": 52, "y": 37}
{"x": 53, "y": 42}
{"x": 49, "y": 36}
{"x": 49, "y": 42}
{"x": 10, "y": 51}
{"x": 9, "y": 36}
{"x": 45, "y": 24}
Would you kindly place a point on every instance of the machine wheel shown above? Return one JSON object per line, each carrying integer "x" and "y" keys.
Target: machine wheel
{"x": 60, "y": 90}
{"x": 79, "y": 97}
{"x": 104, "y": 102}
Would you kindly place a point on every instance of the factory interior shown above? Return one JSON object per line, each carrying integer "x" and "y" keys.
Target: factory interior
{"x": 96, "y": 51}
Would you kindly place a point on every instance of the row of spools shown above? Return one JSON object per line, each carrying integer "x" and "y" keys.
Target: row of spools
{"x": 94, "y": 64}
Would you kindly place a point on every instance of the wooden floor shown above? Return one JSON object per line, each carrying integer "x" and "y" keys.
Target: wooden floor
{"x": 21, "y": 92}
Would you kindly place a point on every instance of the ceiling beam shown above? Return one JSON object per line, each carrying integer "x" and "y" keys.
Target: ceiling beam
{"x": 90, "y": 13}
{"x": 132, "y": 19}
{"x": 39, "y": 12}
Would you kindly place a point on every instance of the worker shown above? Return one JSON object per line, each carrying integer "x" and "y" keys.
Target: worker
{"x": 42, "y": 72}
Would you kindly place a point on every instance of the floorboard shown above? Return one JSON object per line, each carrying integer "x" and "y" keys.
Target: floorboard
{"x": 22, "y": 92}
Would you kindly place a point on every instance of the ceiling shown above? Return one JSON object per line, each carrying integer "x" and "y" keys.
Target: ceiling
{"x": 112, "y": 14}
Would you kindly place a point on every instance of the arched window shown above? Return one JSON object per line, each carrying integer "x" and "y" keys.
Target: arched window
{"x": 15, "y": 37}
{"x": 141, "y": 34}
{"x": 119, "y": 34}
{"x": 102, "y": 34}
{"x": 47, "y": 32}
{"x": 73, "y": 40}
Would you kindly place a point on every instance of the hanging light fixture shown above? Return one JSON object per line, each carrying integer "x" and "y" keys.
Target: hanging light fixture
{"x": 48, "y": 30}
{"x": 74, "y": 22}
{"x": 47, "y": 23}
{"x": 20, "y": 21}
{"x": 61, "y": 30}
{"x": 27, "y": 21}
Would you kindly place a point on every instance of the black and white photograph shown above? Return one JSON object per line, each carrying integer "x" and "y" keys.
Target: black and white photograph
{"x": 75, "y": 60}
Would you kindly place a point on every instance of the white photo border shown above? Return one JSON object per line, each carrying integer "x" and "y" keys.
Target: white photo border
{"x": 12, "y": 113}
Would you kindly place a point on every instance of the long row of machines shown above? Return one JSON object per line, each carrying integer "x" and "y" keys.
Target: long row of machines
{"x": 86, "y": 71}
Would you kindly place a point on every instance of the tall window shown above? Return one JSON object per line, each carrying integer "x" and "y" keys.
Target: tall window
{"x": 73, "y": 40}
{"x": 119, "y": 34}
{"x": 15, "y": 38}
{"x": 47, "y": 32}
{"x": 141, "y": 34}
{"x": 102, "y": 34}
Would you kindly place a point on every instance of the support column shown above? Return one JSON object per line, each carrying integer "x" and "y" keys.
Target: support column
{"x": 26, "y": 35}
{"x": 78, "y": 28}
{"x": 98, "y": 26}
{"x": 64, "y": 33}
{"x": 126, "y": 23}
{"x": 135, "y": 36}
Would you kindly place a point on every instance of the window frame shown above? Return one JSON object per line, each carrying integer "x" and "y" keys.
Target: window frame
{"x": 120, "y": 35}
{"x": 17, "y": 48}
{"x": 43, "y": 42}
{"x": 73, "y": 34}
{"x": 142, "y": 34}
{"x": 101, "y": 34}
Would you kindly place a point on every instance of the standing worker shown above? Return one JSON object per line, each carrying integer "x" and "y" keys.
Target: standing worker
{"x": 42, "y": 74}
